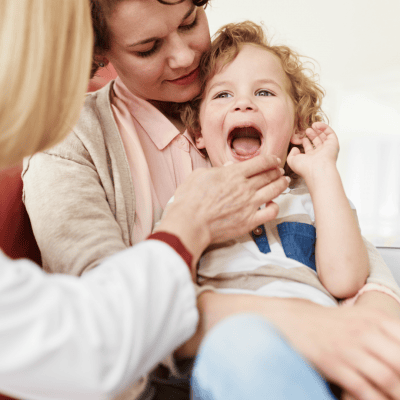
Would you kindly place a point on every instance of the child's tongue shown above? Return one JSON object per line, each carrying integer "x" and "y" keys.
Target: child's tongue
{"x": 245, "y": 146}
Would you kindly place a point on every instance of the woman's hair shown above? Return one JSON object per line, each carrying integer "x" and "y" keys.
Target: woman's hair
{"x": 101, "y": 10}
{"x": 45, "y": 56}
{"x": 305, "y": 92}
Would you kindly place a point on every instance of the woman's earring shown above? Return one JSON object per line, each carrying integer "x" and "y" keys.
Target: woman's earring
{"x": 101, "y": 64}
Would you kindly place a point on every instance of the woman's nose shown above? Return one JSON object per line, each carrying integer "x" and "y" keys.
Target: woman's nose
{"x": 244, "y": 103}
{"x": 180, "y": 53}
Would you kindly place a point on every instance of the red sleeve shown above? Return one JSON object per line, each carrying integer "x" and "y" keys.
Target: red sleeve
{"x": 175, "y": 243}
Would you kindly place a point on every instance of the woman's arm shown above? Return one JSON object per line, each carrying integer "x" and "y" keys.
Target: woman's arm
{"x": 341, "y": 343}
{"x": 341, "y": 257}
{"x": 67, "y": 338}
{"x": 379, "y": 301}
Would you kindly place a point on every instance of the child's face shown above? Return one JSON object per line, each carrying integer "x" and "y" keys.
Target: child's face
{"x": 247, "y": 109}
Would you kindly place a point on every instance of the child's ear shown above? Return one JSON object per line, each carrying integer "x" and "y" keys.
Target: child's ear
{"x": 297, "y": 137}
{"x": 200, "y": 141}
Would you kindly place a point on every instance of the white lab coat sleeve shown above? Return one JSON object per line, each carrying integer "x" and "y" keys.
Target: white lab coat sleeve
{"x": 63, "y": 337}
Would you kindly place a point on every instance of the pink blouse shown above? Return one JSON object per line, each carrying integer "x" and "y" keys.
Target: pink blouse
{"x": 159, "y": 156}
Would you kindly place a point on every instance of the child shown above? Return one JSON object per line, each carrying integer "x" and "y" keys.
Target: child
{"x": 258, "y": 98}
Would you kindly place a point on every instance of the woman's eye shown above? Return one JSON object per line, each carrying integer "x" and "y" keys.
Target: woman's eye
{"x": 190, "y": 25}
{"x": 264, "y": 92}
{"x": 157, "y": 43}
{"x": 222, "y": 95}
{"x": 149, "y": 52}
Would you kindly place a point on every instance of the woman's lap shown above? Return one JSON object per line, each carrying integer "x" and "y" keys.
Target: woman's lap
{"x": 245, "y": 357}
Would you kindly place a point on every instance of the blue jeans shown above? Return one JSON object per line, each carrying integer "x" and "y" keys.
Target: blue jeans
{"x": 245, "y": 357}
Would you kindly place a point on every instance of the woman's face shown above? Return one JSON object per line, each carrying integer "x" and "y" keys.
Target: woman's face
{"x": 156, "y": 48}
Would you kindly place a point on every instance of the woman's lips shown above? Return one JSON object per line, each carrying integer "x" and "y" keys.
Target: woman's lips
{"x": 186, "y": 79}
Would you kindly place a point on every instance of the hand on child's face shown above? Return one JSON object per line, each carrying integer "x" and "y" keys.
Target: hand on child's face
{"x": 247, "y": 109}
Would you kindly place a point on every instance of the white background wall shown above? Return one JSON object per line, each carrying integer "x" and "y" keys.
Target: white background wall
{"x": 357, "y": 46}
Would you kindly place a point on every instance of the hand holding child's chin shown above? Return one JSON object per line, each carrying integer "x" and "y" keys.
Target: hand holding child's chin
{"x": 321, "y": 149}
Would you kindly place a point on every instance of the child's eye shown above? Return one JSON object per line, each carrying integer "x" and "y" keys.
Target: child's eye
{"x": 222, "y": 95}
{"x": 264, "y": 92}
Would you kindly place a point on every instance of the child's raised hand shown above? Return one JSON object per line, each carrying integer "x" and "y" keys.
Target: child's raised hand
{"x": 321, "y": 149}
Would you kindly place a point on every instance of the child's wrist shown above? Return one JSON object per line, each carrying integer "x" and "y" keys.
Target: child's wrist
{"x": 321, "y": 173}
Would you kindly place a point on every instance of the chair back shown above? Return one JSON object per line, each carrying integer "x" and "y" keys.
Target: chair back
{"x": 16, "y": 235}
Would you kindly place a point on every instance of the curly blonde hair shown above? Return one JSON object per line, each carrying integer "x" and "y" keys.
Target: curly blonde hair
{"x": 227, "y": 42}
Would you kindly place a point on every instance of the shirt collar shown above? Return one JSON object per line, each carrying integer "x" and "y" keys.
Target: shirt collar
{"x": 157, "y": 126}
{"x": 188, "y": 137}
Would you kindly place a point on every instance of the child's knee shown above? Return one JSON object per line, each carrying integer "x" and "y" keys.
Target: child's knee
{"x": 247, "y": 342}
{"x": 245, "y": 356}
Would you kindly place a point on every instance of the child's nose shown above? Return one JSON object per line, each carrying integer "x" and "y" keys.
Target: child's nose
{"x": 244, "y": 103}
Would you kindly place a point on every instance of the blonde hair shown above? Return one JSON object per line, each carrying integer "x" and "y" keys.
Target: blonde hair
{"x": 227, "y": 42}
{"x": 45, "y": 57}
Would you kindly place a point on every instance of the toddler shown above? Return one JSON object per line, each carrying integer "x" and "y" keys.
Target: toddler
{"x": 258, "y": 98}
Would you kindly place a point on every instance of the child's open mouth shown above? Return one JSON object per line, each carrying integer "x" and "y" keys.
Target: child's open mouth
{"x": 245, "y": 141}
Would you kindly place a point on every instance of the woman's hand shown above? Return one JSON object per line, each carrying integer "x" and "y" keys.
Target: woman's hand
{"x": 357, "y": 348}
{"x": 218, "y": 204}
{"x": 379, "y": 301}
{"x": 321, "y": 146}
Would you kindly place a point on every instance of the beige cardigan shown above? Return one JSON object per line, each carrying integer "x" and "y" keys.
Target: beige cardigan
{"x": 79, "y": 195}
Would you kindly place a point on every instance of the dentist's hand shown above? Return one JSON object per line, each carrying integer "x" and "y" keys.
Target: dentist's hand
{"x": 218, "y": 204}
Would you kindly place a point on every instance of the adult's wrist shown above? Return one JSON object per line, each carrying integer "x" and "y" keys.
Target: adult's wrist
{"x": 175, "y": 243}
{"x": 190, "y": 231}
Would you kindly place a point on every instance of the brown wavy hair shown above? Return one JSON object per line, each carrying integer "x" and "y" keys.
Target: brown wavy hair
{"x": 226, "y": 44}
{"x": 101, "y": 10}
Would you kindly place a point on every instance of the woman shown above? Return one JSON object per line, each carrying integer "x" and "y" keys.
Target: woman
{"x": 68, "y": 338}
{"x": 104, "y": 188}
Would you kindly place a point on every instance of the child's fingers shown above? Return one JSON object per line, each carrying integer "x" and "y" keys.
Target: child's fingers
{"x": 323, "y": 137}
{"x": 320, "y": 126}
{"x": 311, "y": 133}
{"x": 317, "y": 141}
{"x": 308, "y": 144}
{"x": 294, "y": 152}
